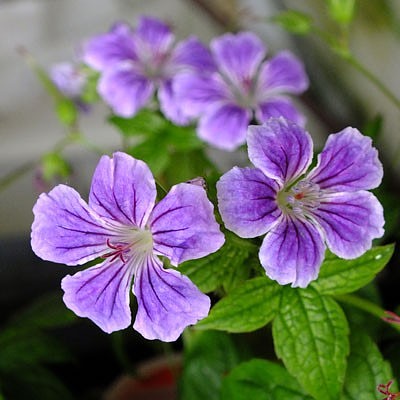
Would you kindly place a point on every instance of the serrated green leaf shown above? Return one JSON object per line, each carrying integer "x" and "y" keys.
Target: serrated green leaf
{"x": 366, "y": 369}
{"x": 341, "y": 11}
{"x": 211, "y": 272}
{"x": 311, "y": 337}
{"x": 209, "y": 356}
{"x": 248, "y": 307}
{"x": 294, "y": 21}
{"x": 338, "y": 276}
{"x": 181, "y": 138}
{"x": 261, "y": 380}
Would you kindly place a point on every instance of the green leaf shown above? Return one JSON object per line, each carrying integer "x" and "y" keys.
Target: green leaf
{"x": 54, "y": 166}
{"x": 366, "y": 369}
{"x": 338, "y": 276}
{"x": 341, "y": 11}
{"x": 294, "y": 22}
{"x": 261, "y": 380}
{"x": 311, "y": 337}
{"x": 66, "y": 111}
{"x": 209, "y": 356}
{"x": 211, "y": 272}
{"x": 248, "y": 307}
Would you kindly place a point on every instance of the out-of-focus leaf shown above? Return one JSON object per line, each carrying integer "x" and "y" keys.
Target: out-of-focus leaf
{"x": 261, "y": 380}
{"x": 338, "y": 276}
{"x": 294, "y": 22}
{"x": 209, "y": 356}
{"x": 341, "y": 11}
{"x": 373, "y": 128}
{"x": 248, "y": 307}
{"x": 311, "y": 337}
{"x": 54, "y": 166}
{"x": 66, "y": 111}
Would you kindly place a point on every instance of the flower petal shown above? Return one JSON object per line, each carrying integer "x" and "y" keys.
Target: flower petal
{"x": 167, "y": 302}
{"x": 101, "y": 293}
{"x": 125, "y": 90}
{"x": 193, "y": 54}
{"x": 348, "y": 163}
{"x": 279, "y": 106}
{"x": 66, "y": 230}
{"x": 183, "y": 224}
{"x": 247, "y": 201}
{"x": 283, "y": 73}
{"x": 197, "y": 92}
{"x": 101, "y": 51}
{"x": 153, "y": 37}
{"x": 280, "y": 148}
{"x": 123, "y": 189}
{"x": 350, "y": 221}
{"x": 169, "y": 105}
{"x": 292, "y": 252}
{"x": 224, "y": 126}
{"x": 238, "y": 55}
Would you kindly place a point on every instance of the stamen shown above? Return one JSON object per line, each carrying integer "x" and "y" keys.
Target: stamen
{"x": 119, "y": 251}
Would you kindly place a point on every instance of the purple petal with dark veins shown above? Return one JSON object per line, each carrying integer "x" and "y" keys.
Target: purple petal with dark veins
{"x": 168, "y": 302}
{"x": 101, "y": 293}
{"x": 66, "y": 230}
{"x": 283, "y": 73}
{"x": 280, "y": 148}
{"x": 195, "y": 93}
{"x": 348, "y": 163}
{"x": 278, "y": 106}
{"x": 350, "y": 222}
{"x": 247, "y": 201}
{"x": 183, "y": 225}
{"x": 224, "y": 126}
{"x": 292, "y": 252}
{"x": 124, "y": 89}
{"x": 101, "y": 51}
{"x": 238, "y": 56}
{"x": 123, "y": 189}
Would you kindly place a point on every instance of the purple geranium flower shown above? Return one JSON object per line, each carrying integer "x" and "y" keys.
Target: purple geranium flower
{"x": 240, "y": 86}
{"x": 300, "y": 211}
{"x": 122, "y": 225}
{"x": 134, "y": 63}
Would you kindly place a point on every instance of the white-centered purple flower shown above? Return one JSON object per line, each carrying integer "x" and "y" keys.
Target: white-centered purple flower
{"x": 122, "y": 224}
{"x": 134, "y": 63}
{"x": 242, "y": 87}
{"x": 302, "y": 212}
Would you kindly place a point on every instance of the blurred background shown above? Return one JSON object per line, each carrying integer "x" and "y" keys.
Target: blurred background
{"x": 51, "y": 30}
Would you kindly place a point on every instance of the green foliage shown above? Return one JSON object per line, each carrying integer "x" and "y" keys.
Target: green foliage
{"x": 294, "y": 22}
{"x": 226, "y": 268}
{"x": 66, "y": 111}
{"x": 54, "y": 166}
{"x": 208, "y": 357}
{"x": 311, "y": 337}
{"x": 341, "y": 11}
{"x": 261, "y": 380}
{"x": 338, "y": 276}
{"x": 248, "y": 307}
{"x": 366, "y": 369}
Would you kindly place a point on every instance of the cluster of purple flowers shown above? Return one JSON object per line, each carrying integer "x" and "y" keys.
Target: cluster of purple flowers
{"x": 301, "y": 212}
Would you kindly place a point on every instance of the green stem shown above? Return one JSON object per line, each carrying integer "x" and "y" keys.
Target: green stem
{"x": 364, "y": 305}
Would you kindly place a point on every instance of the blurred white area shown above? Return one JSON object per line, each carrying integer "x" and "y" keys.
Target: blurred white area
{"x": 51, "y": 30}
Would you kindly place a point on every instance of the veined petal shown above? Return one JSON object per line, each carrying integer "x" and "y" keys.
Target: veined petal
{"x": 283, "y": 73}
{"x": 66, "y": 230}
{"x": 238, "y": 55}
{"x": 247, "y": 201}
{"x": 167, "y": 302}
{"x": 348, "y": 163}
{"x": 280, "y": 148}
{"x": 124, "y": 89}
{"x": 224, "y": 126}
{"x": 193, "y": 54}
{"x": 123, "y": 189}
{"x": 197, "y": 92}
{"x": 183, "y": 224}
{"x": 101, "y": 293}
{"x": 101, "y": 51}
{"x": 170, "y": 106}
{"x": 292, "y": 252}
{"x": 153, "y": 37}
{"x": 350, "y": 222}
{"x": 279, "y": 106}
